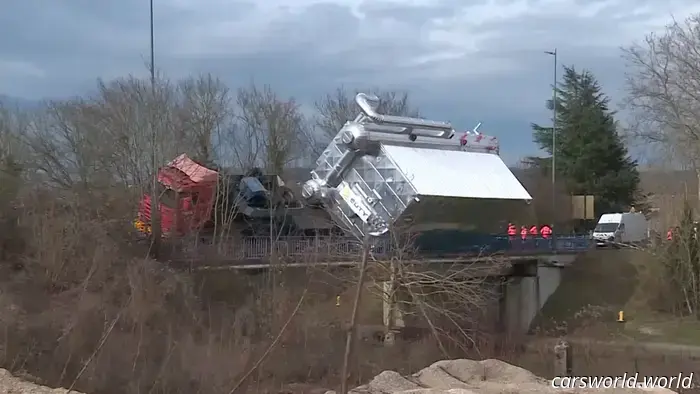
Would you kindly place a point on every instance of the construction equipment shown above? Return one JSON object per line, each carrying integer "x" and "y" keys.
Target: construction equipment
{"x": 382, "y": 171}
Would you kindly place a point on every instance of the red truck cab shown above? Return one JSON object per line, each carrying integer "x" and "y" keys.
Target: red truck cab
{"x": 186, "y": 192}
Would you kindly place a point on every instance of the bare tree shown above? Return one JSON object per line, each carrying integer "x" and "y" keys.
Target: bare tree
{"x": 450, "y": 299}
{"x": 13, "y": 127}
{"x": 64, "y": 149}
{"x": 105, "y": 138}
{"x": 204, "y": 110}
{"x": 663, "y": 86}
{"x": 117, "y": 139}
{"x": 269, "y": 130}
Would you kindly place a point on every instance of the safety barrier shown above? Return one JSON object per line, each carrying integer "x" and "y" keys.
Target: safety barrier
{"x": 341, "y": 247}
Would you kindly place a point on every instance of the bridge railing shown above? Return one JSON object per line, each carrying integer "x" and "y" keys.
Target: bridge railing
{"x": 339, "y": 248}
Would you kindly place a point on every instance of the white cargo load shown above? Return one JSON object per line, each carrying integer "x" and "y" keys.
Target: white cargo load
{"x": 380, "y": 170}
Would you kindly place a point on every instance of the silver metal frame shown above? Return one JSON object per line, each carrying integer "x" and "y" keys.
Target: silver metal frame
{"x": 357, "y": 182}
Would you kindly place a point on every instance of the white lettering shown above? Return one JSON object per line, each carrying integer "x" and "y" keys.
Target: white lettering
{"x": 681, "y": 381}
{"x": 355, "y": 203}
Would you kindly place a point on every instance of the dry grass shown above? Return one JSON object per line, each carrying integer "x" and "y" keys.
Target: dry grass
{"x": 594, "y": 359}
{"x": 82, "y": 306}
{"x": 592, "y": 290}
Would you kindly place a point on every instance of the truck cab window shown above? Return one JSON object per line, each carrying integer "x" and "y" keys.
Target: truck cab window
{"x": 167, "y": 196}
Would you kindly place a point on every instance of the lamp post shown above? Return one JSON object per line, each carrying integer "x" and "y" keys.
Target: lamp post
{"x": 153, "y": 56}
{"x": 554, "y": 136}
{"x": 156, "y": 230}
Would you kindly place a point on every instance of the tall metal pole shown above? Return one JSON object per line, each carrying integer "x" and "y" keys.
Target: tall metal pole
{"x": 153, "y": 55}
{"x": 156, "y": 230}
{"x": 554, "y": 137}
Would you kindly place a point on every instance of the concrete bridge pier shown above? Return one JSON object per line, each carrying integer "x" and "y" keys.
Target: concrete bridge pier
{"x": 522, "y": 297}
{"x": 529, "y": 285}
{"x": 392, "y": 313}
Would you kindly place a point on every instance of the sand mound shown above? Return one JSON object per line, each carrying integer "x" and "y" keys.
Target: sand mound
{"x": 13, "y": 385}
{"x": 474, "y": 377}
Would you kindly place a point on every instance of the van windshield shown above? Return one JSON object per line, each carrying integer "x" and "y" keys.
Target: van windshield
{"x": 606, "y": 227}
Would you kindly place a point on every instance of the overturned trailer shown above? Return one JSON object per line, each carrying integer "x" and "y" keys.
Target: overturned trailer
{"x": 381, "y": 171}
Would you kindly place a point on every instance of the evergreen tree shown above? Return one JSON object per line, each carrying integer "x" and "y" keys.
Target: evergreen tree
{"x": 591, "y": 158}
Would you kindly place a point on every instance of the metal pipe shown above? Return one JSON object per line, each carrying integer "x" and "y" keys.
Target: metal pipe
{"x": 367, "y": 104}
{"x": 332, "y": 179}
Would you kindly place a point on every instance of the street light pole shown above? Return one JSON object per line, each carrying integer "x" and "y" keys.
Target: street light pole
{"x": 153, "y": 54}
{"x": 554, "y": 136}
{"x": 156, "y": 229}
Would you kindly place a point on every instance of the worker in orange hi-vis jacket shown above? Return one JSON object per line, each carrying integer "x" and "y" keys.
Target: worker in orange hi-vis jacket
{"x": 512, "y": 234}
{"x": 533, "y": 233}
{"x": 512, "y": 231}
{"x": 545, "y": 231}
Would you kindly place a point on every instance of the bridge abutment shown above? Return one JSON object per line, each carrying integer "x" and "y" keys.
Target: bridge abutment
{"x": 524, "y": 296}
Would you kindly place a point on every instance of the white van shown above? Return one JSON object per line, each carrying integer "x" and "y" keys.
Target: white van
{"x": 621, "y": 228}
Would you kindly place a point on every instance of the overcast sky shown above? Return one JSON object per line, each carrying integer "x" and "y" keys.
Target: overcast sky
{"x": 462, "y": 60}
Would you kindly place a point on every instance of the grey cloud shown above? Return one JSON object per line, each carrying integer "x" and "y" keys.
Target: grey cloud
{"x": 309, "y": 52}
{"x": 415, "y": 15}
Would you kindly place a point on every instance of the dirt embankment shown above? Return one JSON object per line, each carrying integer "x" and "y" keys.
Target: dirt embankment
{"x": 10, "y": 384}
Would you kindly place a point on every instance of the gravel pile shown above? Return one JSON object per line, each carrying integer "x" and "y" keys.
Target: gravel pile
{"x": 475, "y": 377}
{"x": 10, "y": 384}
{"x": 443, "y": 377}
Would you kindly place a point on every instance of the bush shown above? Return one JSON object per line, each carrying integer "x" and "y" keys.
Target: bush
{"x": 671, "y": 273}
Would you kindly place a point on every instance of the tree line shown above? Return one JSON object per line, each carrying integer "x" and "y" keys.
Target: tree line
{"x": 663, "y": 107}
{"x": 128, "y": 128}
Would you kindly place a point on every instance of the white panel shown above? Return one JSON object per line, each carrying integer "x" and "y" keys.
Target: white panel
{"x": 457, "y": 174}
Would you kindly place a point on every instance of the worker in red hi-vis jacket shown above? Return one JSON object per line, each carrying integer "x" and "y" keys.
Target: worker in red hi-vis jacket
{"x": 512, "y": 231}
{"x": 669, "y": 234}
{"x": 523, "y": 232}
{"x": 545, "y": 231}
{"x": 534, "y": 231}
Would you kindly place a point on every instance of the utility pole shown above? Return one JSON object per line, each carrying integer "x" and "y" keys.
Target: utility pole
{"x": 554, "y": 138}
{"x": 156, "y": 230}
{"x": 153, "y": 55}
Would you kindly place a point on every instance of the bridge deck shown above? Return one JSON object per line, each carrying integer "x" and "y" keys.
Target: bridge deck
{"x": 306, "y": 251}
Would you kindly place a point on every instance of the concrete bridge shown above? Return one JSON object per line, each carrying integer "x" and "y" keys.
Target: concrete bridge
{"x": 534, "y": 266}
{"x": 259, "y": 252}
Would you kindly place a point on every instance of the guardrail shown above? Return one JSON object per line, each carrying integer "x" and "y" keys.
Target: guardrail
{"x": 340, "y": 248}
